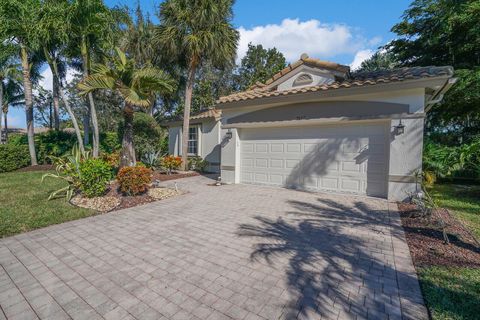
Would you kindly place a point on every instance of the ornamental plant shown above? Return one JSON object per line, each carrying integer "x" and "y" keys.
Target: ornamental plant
{"x": 171, "y": 163}
{"x": 95, "y": 174}
{"x": 134, "y": 180}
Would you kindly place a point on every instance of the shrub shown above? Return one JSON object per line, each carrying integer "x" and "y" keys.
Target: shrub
{"x": 197, "y": 164}
{"x": 170, "y": 163}
{"x": 113, "y": 159}
{"x": 95, "y": 174}
{"x": 148, "y": 136}
{"x": 110, "y": 142}
{"x": 134, "y": 180}
{"x": 13, "y": 157}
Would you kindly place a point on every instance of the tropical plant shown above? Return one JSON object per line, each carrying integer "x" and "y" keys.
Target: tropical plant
{"x": 381, "y": 60}
{"x": 18, "y": 24}
{"x": 136, "y": 86}
{"x": 197, "y": 164}
{"x": 150, "y": 159}
{"x": 134, "y": 180}
{"x": 194, "y": 32}
{"x": 68, "y": 169}
{"x": 54, "y": 29}
{"x": 12, "y": 97}
{"x": 170, "y": 163}
{"x": 93, "y": 28}
{"x": 94, "y": 176}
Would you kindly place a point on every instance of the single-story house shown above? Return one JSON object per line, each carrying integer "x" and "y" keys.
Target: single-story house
{"x": 317, "y": 126}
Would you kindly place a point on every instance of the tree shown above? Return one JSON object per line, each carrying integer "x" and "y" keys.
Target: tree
{"x": 93, "y": 25}
{"x": 18, "y": 19}
{"x": 9, "y": 70}
{"x": 54, "y": 29}
{"x": 195, "y": 32}
{"x": 136, "y": 86}
{"x": 442, "y": 32}
{"x": 381, "y": 60}
{"x": 12, "y": 97}
{"x": 259, "y": 64}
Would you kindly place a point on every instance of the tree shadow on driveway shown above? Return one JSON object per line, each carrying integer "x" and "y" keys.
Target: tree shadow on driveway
{"x": 340, "y": 259}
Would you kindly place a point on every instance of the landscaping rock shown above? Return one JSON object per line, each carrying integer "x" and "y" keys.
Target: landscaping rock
{"x": 162, "y": 193}
{"x": 101, "y": 204}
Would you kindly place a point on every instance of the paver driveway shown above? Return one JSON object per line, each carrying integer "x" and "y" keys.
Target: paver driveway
{"x": 241, "y": 252}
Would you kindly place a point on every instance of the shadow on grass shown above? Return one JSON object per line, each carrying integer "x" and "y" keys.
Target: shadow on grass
{"x": 339, "y": 259}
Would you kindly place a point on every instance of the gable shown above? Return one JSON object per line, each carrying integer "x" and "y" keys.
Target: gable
{"x": 305, "y": 76}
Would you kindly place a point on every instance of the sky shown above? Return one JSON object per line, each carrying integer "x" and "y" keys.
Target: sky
{"x": 343, "y": 31}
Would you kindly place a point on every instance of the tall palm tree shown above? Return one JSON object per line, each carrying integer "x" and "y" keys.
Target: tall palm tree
{"x": 18, "y": 20}
{"x": 93, "y": 25}
{"x": 136, "y": 86}
{"x": 9, "y": 69}
{"x": 54, "y": 29}
{"x": 13, "y": 97}
{"x": 195, "y": 32}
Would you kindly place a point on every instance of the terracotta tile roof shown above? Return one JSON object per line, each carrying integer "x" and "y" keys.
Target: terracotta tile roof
{"x": 204, "y": 114}
{"x": 352, "y": 80}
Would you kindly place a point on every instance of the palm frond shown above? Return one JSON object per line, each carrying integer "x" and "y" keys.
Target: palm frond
{"x": 96, "y": 82}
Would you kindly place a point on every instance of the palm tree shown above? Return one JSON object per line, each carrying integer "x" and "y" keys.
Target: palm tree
{"x": 13, "y": 97}
{"x": 195, "y": 32}
{"x": 54, "y": 29}
{"x": 18, "y": 20}
{"x": 9, "y": 69}
{"x": 93, "y": 26}
{"x": 136, "y": 86}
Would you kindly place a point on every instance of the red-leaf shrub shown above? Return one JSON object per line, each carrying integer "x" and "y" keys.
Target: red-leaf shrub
{"x": 134, "y": 180}
{"x": 171, "y": 163}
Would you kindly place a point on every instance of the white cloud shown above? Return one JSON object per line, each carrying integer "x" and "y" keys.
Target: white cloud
{"x": 47, "y": 76}
{"x": 361, "y": 56}
{"x": 294, "y": 37}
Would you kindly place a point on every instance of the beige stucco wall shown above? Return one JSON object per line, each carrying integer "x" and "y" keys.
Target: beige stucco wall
{"x": 209, "y": 147}
{"x": 405, "y": 154}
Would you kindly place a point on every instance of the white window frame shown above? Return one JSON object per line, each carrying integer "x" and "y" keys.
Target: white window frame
{"x": 199, "y": 140}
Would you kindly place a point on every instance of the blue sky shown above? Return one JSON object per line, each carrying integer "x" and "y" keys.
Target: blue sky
{"x": 344, "y": 31}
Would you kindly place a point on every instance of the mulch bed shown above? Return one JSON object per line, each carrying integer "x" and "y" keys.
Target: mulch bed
{"x": 427, "y": 246}
{"x": 40, "y": 167}
{"x": 161, "y": 176}
{"x": 133, "y": 201}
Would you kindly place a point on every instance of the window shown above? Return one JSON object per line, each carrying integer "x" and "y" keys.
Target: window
{"x": 303, "y": 80}
{"x": 193, "y": 140}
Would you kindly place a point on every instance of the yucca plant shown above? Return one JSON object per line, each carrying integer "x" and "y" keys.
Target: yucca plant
{"x": 67, "y": 168}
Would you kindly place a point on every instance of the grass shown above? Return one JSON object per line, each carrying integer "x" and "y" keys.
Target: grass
{"x": 454, "y": 293}
{"x": 451, "y": 293}
{"x": 24, "y": 205}
{"x": 463, "y": 201}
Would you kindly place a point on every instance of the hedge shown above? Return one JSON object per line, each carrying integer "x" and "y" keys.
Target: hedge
{"x": 13, "y": 157}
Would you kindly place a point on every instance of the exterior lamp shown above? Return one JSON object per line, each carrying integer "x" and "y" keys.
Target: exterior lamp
{"x": 229, "y": 134}
{"x": 400, "y": 128}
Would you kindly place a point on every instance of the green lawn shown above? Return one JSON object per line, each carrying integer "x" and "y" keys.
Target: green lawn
{"x": 451, "y": 293}
{"x": 24, "y": 205}
{"x": 454, "y": 293}
{"x": 461, "y": 200}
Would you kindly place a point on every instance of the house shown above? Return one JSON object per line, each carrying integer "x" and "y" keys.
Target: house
{"x": 316, "y": 126}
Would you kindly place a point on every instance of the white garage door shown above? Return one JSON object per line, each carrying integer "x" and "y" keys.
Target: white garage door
{"x": 340, "y": 158}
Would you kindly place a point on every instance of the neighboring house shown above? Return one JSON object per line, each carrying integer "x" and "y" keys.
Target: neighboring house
{"x": 316, "y": 126}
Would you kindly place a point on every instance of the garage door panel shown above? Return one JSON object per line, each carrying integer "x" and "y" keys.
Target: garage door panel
{"x": 335, "y": 158}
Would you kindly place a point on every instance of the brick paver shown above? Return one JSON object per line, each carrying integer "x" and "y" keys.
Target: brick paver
{"x": 230, "y": 252}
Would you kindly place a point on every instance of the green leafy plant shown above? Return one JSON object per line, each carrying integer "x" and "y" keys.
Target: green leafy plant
{"x": 13, "y": 157}
{"x": 197, "y": 164}
{"x": 68, "y": 169}
{"x": 112, "y": 159}
{"x": 150, "y": 159}
{"x": 95, "y": 174}
{"x": 134, "y": 180}
{"x": 170, "y": 163}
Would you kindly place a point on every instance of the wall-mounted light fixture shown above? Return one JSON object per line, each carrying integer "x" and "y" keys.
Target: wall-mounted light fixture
{"x": 229, "y": 134}
{"x": 400, "y": 128}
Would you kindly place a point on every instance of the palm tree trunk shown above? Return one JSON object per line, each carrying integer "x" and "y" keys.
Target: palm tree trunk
{"x": 86, "y": 126}
{"x": 92, "y": 109}
{"x": 6, "y": 126}
{"x": 52, "y": 63}
{"x": 56, "y": 103}
{"x": 127, "y": 157}
{"x": 1, "y": 108}
{"x": 186, "y": 114}
{"x": 27, "y": 85}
